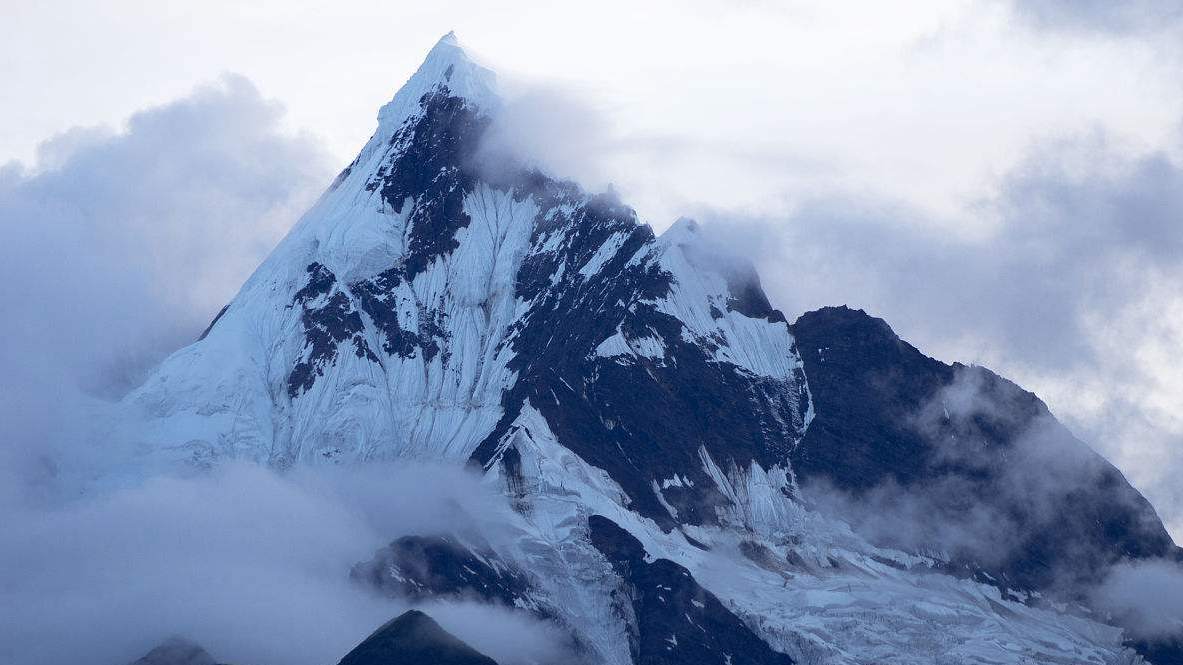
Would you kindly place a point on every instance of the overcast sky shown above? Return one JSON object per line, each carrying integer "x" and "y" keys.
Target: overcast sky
{"x": 1003, "y": 182}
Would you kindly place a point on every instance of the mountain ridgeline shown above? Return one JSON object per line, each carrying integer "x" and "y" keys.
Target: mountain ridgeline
{"x": 971, "y": 441}
{"x": 682, "y": 463}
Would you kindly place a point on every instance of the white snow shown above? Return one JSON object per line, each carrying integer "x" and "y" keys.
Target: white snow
{"x": 647, "y": 346}
{"x": 605, "y": 253}
{"x": 758, "y": 346}
{"x": 676, "y": 481}
{"x": 673, "y": 512}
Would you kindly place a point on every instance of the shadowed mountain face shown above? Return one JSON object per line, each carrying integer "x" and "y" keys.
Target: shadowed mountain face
{"x": 956, "y": 459}
{"x": 969, "y": 445}
{"x": 414, "y": 639}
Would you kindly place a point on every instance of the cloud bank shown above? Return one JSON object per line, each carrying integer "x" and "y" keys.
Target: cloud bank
{"x": 126, "y": 242}
{"x": 1146, "y": 595}
{"x": 250, "y": 564}
{"x": 120, "y": 245}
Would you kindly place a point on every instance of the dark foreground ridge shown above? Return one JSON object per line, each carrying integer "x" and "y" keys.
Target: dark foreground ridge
{"x": 177, "y": 651}
{"x": 414, "y": 639}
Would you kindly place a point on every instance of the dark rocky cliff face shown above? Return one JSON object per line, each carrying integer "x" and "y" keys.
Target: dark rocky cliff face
{"x": 1008, "y": 490}
{"x": 970, "y": 440}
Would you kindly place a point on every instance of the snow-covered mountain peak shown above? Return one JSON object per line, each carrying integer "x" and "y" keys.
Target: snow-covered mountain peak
{"x": 638, "y": 398}
{"x": 448, "y": 65}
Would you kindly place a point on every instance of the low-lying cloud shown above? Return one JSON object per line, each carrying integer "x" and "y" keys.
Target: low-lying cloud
{"x": 251, "y": 564}
{"x": 1146, "y": 596}
{"x": 1025, "y": 506}
{"x": 120, "y": 245}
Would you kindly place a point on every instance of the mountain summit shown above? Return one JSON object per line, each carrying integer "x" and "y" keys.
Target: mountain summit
{"x": 421, "y": 311}
{"x": 645, "y": 409}
{"x": 447, "y": 65}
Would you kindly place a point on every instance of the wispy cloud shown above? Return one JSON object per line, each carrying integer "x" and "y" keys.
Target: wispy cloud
{"x": 1066, "y": 285}
{"x": 250, "y": 564}
{"x": 120, "y": 244}
{"x": 1147, "y": 596}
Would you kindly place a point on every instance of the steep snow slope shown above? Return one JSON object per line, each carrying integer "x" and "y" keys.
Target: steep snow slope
{"x": 433, "y": 305}
{"x": 423, "y": 300}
